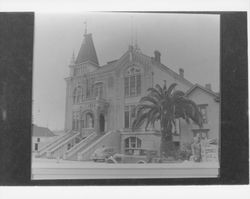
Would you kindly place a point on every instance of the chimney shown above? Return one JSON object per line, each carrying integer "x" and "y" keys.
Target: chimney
{"x": 208, "y": 86}
{"x": 157, "y": 57}
{"x": 181, "y": 72}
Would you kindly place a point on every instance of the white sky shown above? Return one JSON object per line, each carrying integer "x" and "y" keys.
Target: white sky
{"x": 188, "y": 41}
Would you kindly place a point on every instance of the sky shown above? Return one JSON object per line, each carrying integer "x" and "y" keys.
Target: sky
{"x": 188, "y": 41}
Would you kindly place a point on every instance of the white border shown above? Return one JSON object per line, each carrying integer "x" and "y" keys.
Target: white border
{"x": 125, "y": 192}
{"x": 123, "y": 5}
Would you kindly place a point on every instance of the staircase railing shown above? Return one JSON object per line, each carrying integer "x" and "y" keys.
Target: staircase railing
{"x": 104, "y": 140}
{"x": 79, "y": 146}
{"x": 61, "y": 148}
{"x": 54, "y": 143}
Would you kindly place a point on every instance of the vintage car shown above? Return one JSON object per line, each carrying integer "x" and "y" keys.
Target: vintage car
{"x": 139, "y": 159}
{"x": 102, "y": 154}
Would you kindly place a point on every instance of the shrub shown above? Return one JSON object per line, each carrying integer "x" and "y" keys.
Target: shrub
{"x": 184, "y": 153}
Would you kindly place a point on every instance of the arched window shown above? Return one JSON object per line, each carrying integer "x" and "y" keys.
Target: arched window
{"x": 79, "y": 90}
{"x": 74, "y": 95}
{"x": 129, "y": 116}
{"x": 132, "y": 81}
{"x": 82, "y": 120}
{"x": 78, "y": 95}
{"x": 132, "y": 146}
{"x": 82, "y": 94}
{"x": 89, "y": 120}
{"x": 89, "y": 87}
{"x": 99, "y": 89}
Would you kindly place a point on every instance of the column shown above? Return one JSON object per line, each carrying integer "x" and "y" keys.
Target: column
{"x": 96, "y": 120}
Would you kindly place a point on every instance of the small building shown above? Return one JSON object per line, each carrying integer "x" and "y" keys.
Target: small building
{"x": 41, "y": 136}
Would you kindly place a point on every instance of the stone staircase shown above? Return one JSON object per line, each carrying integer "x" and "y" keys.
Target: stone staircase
{"x": 67, "y": 148}
{"x": 110, "y": 139}
{"x": 61, "y": 148}
{"x": 42, "y": 152}
{"x": 72, "y": 153}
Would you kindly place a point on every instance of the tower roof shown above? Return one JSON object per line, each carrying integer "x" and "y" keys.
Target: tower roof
{"x": 87, "y": 51}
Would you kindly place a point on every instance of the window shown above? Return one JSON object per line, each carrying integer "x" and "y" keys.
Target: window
{"x": 78, "y": 100}
{"x": 82, "y": 121}
{"x": 89, "y": 120}
{"x": 36, "y": 146}
{"x": 82, "y": 94}
{"x": 90, "y": 87}
{"x": 126, "y": 86}
{"x": 78, "y": 95}
{"x": 132, "y": 144}
{"x": 132, "y": 82}
{"x": 129, "y": 116}
{"x": 99, "y": 89}
{"x": 203, "y": 133}
{"x": 38, "y": 139}
{"x": 74, "y": 95}
{"x": 203, "y": 111}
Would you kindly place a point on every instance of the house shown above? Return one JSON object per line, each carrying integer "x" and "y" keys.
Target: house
{"x": 100, "y": 100}
{"x": 41, "y": 136}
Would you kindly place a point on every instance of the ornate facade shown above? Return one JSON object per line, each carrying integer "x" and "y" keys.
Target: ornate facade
{"x": 100, "y": 99}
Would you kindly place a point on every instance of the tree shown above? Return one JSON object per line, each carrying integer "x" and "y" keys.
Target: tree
{"x": 165, "y": 105}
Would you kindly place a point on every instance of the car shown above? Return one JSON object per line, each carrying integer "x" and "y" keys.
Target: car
{"x": 102, "y": 154}
{"x": 122, "y": 158}
{"x": 139, "y": 159}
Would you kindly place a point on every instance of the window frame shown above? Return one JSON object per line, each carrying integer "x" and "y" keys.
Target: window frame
{"x": 137, "y": 143}
{"x": 131, "y": 115}
{"x": 137, "y": 82}
{"x": 204, "y": 115}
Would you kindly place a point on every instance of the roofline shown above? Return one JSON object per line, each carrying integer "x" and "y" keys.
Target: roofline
{"x": 167, "y": 69}
{"x": 203, "y": 88}
{"x": 84, "y": 62}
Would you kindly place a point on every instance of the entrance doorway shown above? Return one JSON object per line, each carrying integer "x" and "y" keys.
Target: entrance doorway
{"x": 102, "y": 123}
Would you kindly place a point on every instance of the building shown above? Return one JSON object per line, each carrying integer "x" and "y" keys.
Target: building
{"x": 41, "y": 136}
{"x": 100, "y": 100}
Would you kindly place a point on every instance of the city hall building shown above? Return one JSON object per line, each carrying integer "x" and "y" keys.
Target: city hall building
{"x": 100, "y": 100}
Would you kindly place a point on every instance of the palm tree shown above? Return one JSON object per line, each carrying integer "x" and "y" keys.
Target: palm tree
{"x": 165, "y": 105}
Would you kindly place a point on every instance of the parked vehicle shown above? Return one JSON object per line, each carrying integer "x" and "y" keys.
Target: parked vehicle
{"x": 140, "y": 159}
{"x": 102, "y": 154}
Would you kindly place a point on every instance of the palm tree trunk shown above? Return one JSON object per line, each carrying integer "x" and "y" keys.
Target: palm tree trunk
{"x": 163, "y": 145}
{"x": 167, "y": 145}
{"x": 170, "y": 149}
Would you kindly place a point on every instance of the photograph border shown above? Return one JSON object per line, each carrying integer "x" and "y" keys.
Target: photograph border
{"x": 16, "y": 69}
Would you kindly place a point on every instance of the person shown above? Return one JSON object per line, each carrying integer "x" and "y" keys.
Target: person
{"x": 196, "y": 149}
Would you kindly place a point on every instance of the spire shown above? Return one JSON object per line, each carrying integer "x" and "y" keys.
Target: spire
{"x": 136, "y": 44}
{"x": 133, "y": 36}
{"x": 131, "y": 31}
{"x": 137, "y": 48}
{"x": 87, "y": 51}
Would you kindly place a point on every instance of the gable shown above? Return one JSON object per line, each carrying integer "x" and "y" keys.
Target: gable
{"x": 200, "y": 95}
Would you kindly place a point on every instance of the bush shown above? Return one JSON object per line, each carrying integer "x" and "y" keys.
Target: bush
{"x": 184, "y": 153}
